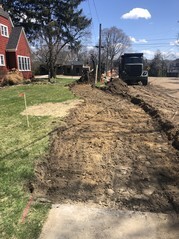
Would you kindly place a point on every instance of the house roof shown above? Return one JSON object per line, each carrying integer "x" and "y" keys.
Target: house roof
{"x": 176, "y": 60}
{"x": 14, "y": 38}
{"x": 75, "y": 63}
{"x": 4, "y": 14}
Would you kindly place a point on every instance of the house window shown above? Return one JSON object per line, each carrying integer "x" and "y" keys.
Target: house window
{"x": 2, "y": 61}
{"x": 4, "y": 30}
{"x": 24, "y": 63}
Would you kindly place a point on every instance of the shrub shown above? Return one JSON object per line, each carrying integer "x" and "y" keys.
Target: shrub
{"x": 3, "y": 73}
{"x": 13, "y": 77}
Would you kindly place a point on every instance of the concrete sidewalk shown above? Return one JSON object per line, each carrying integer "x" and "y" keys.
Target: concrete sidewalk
{"x": 91, "y": 222}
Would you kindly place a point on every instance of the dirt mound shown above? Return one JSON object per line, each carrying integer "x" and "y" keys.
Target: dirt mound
{"x": 117, "y": 86}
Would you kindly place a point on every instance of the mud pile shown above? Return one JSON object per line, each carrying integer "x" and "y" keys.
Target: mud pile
{"x": 117, "y": 86}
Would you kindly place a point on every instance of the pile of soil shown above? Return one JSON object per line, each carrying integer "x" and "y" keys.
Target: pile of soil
{"x": 117, "y": 86}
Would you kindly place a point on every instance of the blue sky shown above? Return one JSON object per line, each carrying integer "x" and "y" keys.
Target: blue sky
{"x": 151, "y": 24}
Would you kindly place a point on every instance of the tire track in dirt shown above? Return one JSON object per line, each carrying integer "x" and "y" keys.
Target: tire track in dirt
{"x": 161, "y": 107}
{"x": 110, "y": 153}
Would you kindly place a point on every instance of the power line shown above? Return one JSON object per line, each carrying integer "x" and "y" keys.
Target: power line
{"x": 149, "y": 42}
{"x": 152, "y": 44}
{"x": 90, "y": 9}
{"x": 161, "y": 39}
{"x": 96, "y": 12}
{"x": 93, "y": 28}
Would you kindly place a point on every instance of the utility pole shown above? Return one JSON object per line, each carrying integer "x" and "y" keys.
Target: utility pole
{"x": 99, "y": 56}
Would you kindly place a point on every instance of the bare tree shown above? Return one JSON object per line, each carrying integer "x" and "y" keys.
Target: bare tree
{"x": 41, "y": 53}
{"x": 52, "y": 24}
{"x": 114, "y": 42}
{"x": 158, "y": 66}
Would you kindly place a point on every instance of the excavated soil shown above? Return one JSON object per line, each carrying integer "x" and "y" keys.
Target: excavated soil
{"x": 118, "y": 149}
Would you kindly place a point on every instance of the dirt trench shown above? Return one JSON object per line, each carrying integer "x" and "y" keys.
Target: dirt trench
{"x": 111, "y": 152}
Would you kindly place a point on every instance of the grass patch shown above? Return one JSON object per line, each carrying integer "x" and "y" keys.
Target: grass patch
{"x": 19, "y": 149}
{"x": 67, "y": 80}
{"x": 100, "y": 84}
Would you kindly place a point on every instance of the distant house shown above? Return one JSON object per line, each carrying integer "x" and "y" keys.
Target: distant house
{"x": 71, "y": 68}
{"x": 14, "y": 47}
{"x": 173, "y": 69}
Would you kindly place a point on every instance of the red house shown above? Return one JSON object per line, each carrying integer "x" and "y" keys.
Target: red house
{"x": 14, "y": 47}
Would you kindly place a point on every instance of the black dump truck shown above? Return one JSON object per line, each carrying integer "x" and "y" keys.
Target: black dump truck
{"x": 131, "y": 69}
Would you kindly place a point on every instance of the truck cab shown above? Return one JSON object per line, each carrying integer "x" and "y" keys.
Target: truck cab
{"x": 131, "y": 69}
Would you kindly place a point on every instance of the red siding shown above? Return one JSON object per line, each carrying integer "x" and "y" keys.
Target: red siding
{"x": 27, "y": 74}
{"x": 23, "y": 50}
{"x": 4, "y": 40}
{"x": 12, "y": 57}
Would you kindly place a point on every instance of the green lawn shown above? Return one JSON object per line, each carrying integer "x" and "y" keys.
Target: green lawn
{"x": 20, "y": 147}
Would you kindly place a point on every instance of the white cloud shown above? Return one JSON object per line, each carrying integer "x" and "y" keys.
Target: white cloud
{"x": 170, "y": 54}
{"x": 137, "y": 13}
{"x": 90, "y": 48}
{"x": 148, "y": 54}
{"x": 174, "y": 43}
{"x": 134, "y": 40}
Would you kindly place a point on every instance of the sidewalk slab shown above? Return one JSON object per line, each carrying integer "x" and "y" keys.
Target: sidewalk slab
{"x": 90, "y": 222}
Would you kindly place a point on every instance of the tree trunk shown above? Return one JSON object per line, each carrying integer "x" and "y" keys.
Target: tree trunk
{"x": 52, "y": 68}
{"x": 111, "y": 66}
{"x": 52, "y": 73}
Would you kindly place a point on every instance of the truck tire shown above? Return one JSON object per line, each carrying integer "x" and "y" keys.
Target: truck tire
{"x": 129, "y": 83}
{"x": 145, "y": 81}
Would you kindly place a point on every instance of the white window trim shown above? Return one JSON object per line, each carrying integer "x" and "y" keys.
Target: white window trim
{"x": 24, "y": 63}
{"x": 2, "y": 34}
{"x": 2, "y": 63}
